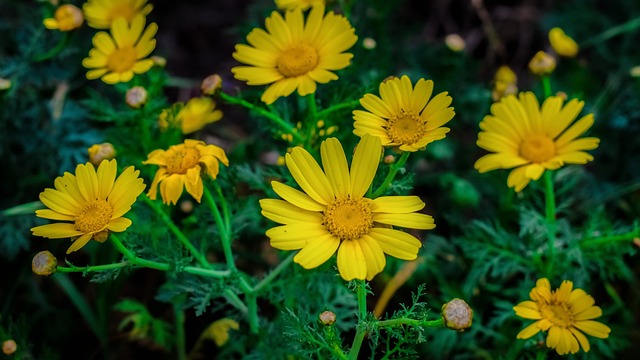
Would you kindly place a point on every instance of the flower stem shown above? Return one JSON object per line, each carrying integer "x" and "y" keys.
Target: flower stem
{"x": 406, "y": 321}
{"x": 313, "y": 109}
{"x": 226, "y": 214}
{"x": 134, "y": 259}
{"x": 391, "y": 175}
{"x": 348, "y": 104}
{"x": 362, "y": 314}
{"x": 96, "y": 268}
{"x": 283, "y": 124}
{"x": 602, "y": 240}
{"x": 178, "y": 314}
{"x": 629, "y": 26}
{"x": 550, "y": 214}
{"x": 177, "y": 232}
{"x": 252, "y": 307}
{"x": 272, "y": 275}
{"x": 225, "y": 239}
{"x": 546, "y": 86}
{"x": 62, "y": 43}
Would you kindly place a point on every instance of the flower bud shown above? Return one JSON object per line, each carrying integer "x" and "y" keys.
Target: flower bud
{"x": 327, "y": 318}
{"x": 211, "y": 84}
{"x": 542, "y": 63}
{"x": 9, "y": 347}
{"x": 99, "y": 152}
{"x": 455, "y": 42}
{"x": 5, "y": 84}
{"x": 369, "y": 43}
{"x": 562, "y": 44}
{"x": 159, "y": 61}
{"x": 457, "y": 315}
{"x": 44, "y": 263}
{"x": 136, "y": 97}
{"x": 66, "y": 18}
{"x": 634, "y": 72}
{"x": 389, "y": 159}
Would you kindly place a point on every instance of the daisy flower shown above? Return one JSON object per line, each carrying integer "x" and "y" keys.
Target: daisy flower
{"x": 100, "y": 14}
{"x": 532, "y": 139}
{"x": 294, "y": 4}
{"x": 181, "y": 166}
{"x": 117, "y": 56}
{"x": 565, "y": 313}
{"x": 332, "y": 214}
{"x": 93, "y": 203}
{"x": 403, "y": 115}
{"x": 66, "y": 18}
{"x": 294, "y": 54}
{"x": 197, "y": 113}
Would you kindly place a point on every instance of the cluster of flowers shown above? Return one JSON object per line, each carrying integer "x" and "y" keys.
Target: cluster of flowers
{"x": 336, "y": 211}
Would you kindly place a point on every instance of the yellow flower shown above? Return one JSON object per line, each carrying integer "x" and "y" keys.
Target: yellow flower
{"x": 100, "y": 14}
{"x": 117, "y": 56}
{"x": 197, "y": 113}
{"x": 562, "y": 44}
{"x": 566, "y": 313}
{"x": 297, "y": 4}
{"x": 181, "y": 166}
{"x": 332, "y": 213}
{"x": 66, "y": 18}
{"x": 532, "y": 139}
{"x": 94, "y": 203}
{"x": 293, "y": 54}
{"x": 404, "y": 116}
{"x": 542, "y": 63}
{"x": 218, "y": 331}
{"x": 505, "y": 83}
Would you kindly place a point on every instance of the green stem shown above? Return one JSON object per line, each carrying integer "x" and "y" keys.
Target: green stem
{"x": 134, "y": 259}
{"x": 218, "y": 274}
{"x": 235, "y": 301}
{"x": 391, "y": 175}
{"x": 546, "y": 86}
{"x": 585, "y": 243}
{"x": 252, "y": 307}
{"x": 62, "y": 43}
{"x": 96, "y": 268}
{"x": 550, "y": 213}
{"x": 178, "y": 314}
{"x": 272, "y": 275}
{"x": 225, "y": 207}
{"x": 285, "y": 125}
{"x": 313, "y": 109}
{"x": 541, "y": 355}
{"x": 225, "y": 239}
{"x": 362, "y": 314}
{"x": 349, "y": 104}
{"x": 629, "y": 26}
{"x": 412, "y": 322}
{"x": 82, "y": 305}
{"x": 176, "y": 231}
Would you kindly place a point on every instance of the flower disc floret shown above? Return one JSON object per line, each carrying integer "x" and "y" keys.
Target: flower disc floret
{"x": 294, "y": 54}
{"x": 404, "y": 116}
{"x": 522, "y": 135}
{"x": 332, "y": 215}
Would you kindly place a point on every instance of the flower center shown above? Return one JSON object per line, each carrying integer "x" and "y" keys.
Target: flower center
{"x": 559, "y": 315}
{"x": 182, "y": 159}
{"x": 122, "y": 59}
{"x": 94, "y": 216}
{"x": 121, "y": 10}
{"x": 537, "y": 148}
{"x": 348, "y": 219}
{"x": 297, "y": 60}
{"x": 406, "y": 128}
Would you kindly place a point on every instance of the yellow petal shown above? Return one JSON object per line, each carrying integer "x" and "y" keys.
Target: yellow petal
{"x": 171, "y": 188}
{"x": 593, "y": 328}
{"x": 56, "y": 231}
{"x": 119, "y": 225}
{"x": 529, "y": 331}
{"x": 106, "y": 176}
{"x": 317, "y": 251}
{"x": 283, "y": 212}
{"x": 373, "y": 255}
{"x": 351, "y": 261}
{"x": 79, "y": 243}
{"x": 335, "y": 166}
{"x": 296, "y": 197}
{"x": 307, "y": 173}
{"x": 396, "y": 204}
{"x": 126, "y": 189}
{"x": 409, "y": 221}
{"x": 295, "y": 236}
{"x": 364, "y": 165}
{"x": 396, "y": 243}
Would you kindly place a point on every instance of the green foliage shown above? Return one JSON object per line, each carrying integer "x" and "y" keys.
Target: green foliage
{"x": 142, "y": 326}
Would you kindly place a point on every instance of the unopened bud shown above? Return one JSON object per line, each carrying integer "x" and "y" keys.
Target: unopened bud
{"x": 136, "y": 97}
{"x": 368, "y": 43}
{"x": 66, "y": 18}
{"x": 327, "y": 318}
{"x": 211, "y": 84}
{"x": 5, "y": 84}
{"x": 186, "y": 206}
{"x": 44, "y": 264}
{"x": 542, "y": 63}
{"x": 457, "y": 315}
{"x": 99, "y": 152}
{"x": 9, "y": 347}
{"x": 634, "y": 72}
{"x": 455, "y": 42}
{"x": 562, "y": 95}
{"x": 159, "y": 61}
{"x": 389, "y": 159}
{"x": 389, "y": 78}
{"x": 636, "y": 241}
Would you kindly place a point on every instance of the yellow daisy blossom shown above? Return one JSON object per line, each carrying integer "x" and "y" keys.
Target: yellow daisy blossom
{"x": 100, "y": 14}
{"x": 404, "y": 116}
{"x": 332, "y": 213}
{"x": 293, "y": 54}
{"x": 181, "y": 166}
{"x": 117, "y": 56}
{"x": 566, "y": 313}
{"x": 66, "y": 18}
{"x": 295, "y": 4}
{"x": 562, "y": 44}
{"x": 93, "y": 202}
{"x": 197, "y": 113}
{"x": 532, "y": 139}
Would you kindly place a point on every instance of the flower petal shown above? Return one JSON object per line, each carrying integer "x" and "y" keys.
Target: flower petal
{"x": 317, "y": 251}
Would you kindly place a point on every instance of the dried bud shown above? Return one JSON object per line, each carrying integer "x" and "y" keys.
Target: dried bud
{"x": 159, "y": 61}
{"x": 457, "y": 315}
{"x": 368, "y": 43}
{"x": 542, "y": 63}
{"x": 9, "y": 347}
{"x": 136, "y": 97}
{"x": 455, "y": 42}
{"x": 327, "y": 318}
{"x": 186, "y": 206}
{"x": 5, "y": 84}
{"x": 389, "y": 159}
{"x": 66, "y": 18}
{"x": 99, "y": 152}
{"x": 44, "y": 263}
{"x": 211, "y": 84}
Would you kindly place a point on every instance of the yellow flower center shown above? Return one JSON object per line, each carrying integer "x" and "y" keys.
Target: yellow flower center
{"x": 348, "y": 219}
{"x": 181, "y": 159}
{"x": 94, "y": 216}
{"x": 297, "y": 60}
{"x": 406, "y": 128}
{"x": 558, "y": 314}
{"x": 121, "y": 10}
{"x": 122, "y": 59}
{"x": 537, "y": 148}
